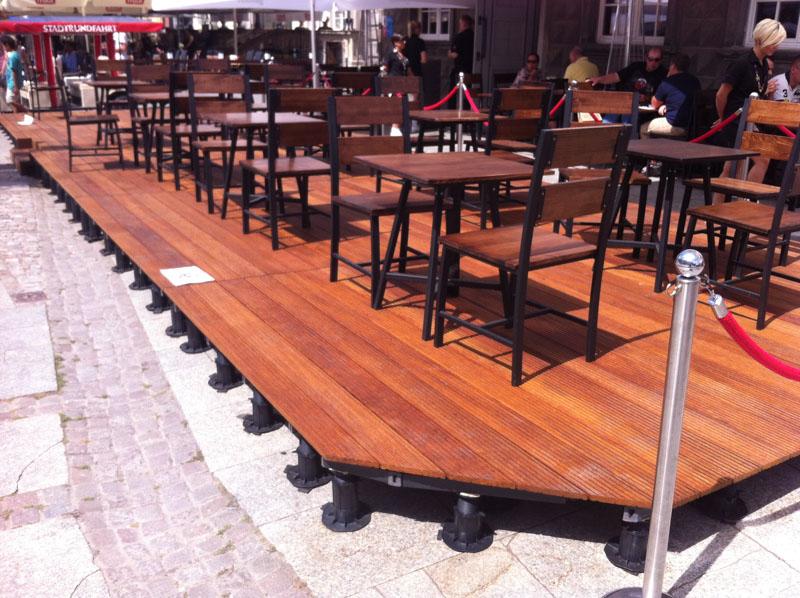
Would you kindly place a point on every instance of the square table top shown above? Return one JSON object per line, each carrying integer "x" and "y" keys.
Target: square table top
{"x": 450, "y": 168}
{"x": 257, "y": 120}
{"x": 683, "y": 152}
{"x": 448, "y": 116}
{"x": 108, "y": 83}
{"x": 152, "y": 96}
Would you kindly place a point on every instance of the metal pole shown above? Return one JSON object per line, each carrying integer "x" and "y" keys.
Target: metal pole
{"x": 460, "y": 105}
{"x": 690, "y": 265}
{"x": 314, "y": 70}
{"x": 628, "y": 34}
{"x": 235, "y": 34}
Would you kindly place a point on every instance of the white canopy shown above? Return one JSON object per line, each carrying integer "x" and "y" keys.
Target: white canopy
{"x": 295, "y": 5}
{"x": 117, "y": 7}
{"x": 32, "y": 7}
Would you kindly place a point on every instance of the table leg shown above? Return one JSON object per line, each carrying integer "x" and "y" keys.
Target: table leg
{"x": 663, "y": 239}
{"x": 390, "y": 246}
{"x": 433, "y": 262}
{"x": 234, "y": 133}
{"x": 421, "y": 138}
{"x": 657, "y": 214}
{"x": 453, "y": 226}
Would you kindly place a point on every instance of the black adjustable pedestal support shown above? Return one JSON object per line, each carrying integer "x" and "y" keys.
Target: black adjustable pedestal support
{"x": 226, "y": 376}
{"x": 308, "y": 473}
{"x": 141, "y": 282}
{"x": 178, "y": 326}
{"x": 264, "y": 417}
{"x": 468, "y": 532}
{"x": 108, "y": 246}
{"x": 89, "y": 229}
{"x": 196, "y": 342}
{"x": 345, "y": 513}
{"x": 159, "y": 302}
{"x": 629, "y": 550}
{"x": 68, "y": 203}
{"x": 724, "y": 505}
{"x": 76, "y": 212}
{"x": 61, "y": 196}
{"x": 123, "y": 262}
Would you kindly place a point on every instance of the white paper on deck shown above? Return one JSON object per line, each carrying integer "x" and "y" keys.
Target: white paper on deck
{"x": 186, "y": 275}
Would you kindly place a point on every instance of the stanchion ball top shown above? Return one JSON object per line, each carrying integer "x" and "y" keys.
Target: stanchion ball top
{"x": 690, "y": 263}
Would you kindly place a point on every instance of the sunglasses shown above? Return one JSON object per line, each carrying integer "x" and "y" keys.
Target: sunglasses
{"x": 533, "y": 62}
{"x": 652, "y": 59}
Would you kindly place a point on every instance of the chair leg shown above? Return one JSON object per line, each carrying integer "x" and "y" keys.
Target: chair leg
{"x": 176, "y": 162}
{"x": 401, "y": 267}
{"x": 494, "y": 200}
{"x": 378, "y": 182}
{"x": 160, "y": 157}
{"x": 302, "y": 187}
{"x": 146, "y": 143}
{"x": 784, "y": 256}
{"x": 135, "y": 142}
{"x": 518, "y": 326}
{"x": 441, "y": 297}
{"x": 273, "y": 215}
{"x": 712, "y": 252}
{"x": 195, "y": 161}
{"x": 723, "y": 230}
{"x": 623, "y": 211}
{"x": 69, "y": 145}
{"x": 689, "y": 236}
{"x": 765, "y": 279}
{"x": 208, "y": 177}
{"x": 505, "y": 294}
{"x": 687, "y": 197}
{"x": 390, "y": 249}
{"x": 733, "y": 256}
{"x": 375, "y": 255}
{"x": 247, "y": 186}
{"x": 430, "y": 286}
{"x": 335, "y": 237}
{"x": 594, "y": 310}
{"x": 640, "y": 215}
{"x": 118, "y": 135}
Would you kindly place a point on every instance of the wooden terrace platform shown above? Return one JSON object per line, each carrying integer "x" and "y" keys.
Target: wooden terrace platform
{"x": 372, "y": 398}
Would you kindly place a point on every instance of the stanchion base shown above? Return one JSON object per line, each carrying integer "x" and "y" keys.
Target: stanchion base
{"x": 629, "y": 593}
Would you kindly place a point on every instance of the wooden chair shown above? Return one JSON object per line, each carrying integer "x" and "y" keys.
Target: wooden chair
{"x": 109, "y": 122}
{"x": 516, "y": 117}
{"x": 285, "y": 75}
{"x": 109, "y": 69}
{"x": 757, "y": 226}
{"x": 408, "y": 86}
{"x": 211, "y": 65}
{"x": 353, "y": 83}
{"x": 144, "y": 78}
{"x": 516, "y": 250}
{"x": 215, "y": 93}
{"x": 625, "y": 104}
{"x": 275, "y": 168}
{"x": 178, "y": 130}
{"x": 374, "y": 113}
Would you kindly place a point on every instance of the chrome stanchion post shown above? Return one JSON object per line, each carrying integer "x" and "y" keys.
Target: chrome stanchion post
{"x": 685, "y": 290}
{"x": 460, "y": 126}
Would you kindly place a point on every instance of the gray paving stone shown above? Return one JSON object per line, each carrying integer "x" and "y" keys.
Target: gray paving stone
{"x": 32, "y": 454}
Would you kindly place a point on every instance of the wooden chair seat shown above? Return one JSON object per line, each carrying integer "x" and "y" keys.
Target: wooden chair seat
{"x": 511, "y": 145}
{"x": 185, "y": 130}
{"x": 93, "y": 119}
{"x": 510, "y": 155}
{"x": 747, "y": 215}
{"x": 737, "y": 187}
{"x": 383, "y": 204}
{"x": 299, "y": 166}
{"x": 225, "y": 144}
{"x": 500, "y": 247}
{"x": 577, "y": 174}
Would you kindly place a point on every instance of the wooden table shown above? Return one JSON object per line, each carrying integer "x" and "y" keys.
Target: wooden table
{"x": 675, "y": 156}
{"x": 444, "y": 172}
{"x": 444, "y": 118}
{"x": 250, "y": 122}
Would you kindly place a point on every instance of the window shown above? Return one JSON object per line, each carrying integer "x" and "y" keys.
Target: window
{"x": 788, "y": 13}
{"x": 649, "y": 26}
{"x": 434, "y": 23}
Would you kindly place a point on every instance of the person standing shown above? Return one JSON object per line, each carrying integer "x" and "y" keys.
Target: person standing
{"x": 580, "y": 68}
{"x": 416, "y": 51}
{"x": 13, "y": 73}
{"x": 674, "y": 100}
{"x": 3, "y": 106}
{"x": 461, "y": 50}
{"x": 530, "y": 73}
{"x": 644, "y": 77}
{"x": 395, "y": 62}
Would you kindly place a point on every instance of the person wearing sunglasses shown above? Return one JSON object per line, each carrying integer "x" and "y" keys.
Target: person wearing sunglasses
{"x": 642, "y": 76}
{"x": 530, "y": 73}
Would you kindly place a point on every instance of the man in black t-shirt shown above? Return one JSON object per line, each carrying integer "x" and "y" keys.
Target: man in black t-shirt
{"x": 416, "y": 51}
{"x": 461, "y": 51}
{"x": 644, "y": 77}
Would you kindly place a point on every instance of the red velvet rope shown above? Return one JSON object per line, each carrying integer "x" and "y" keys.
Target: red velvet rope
{"x": 719, "y": 126}
{"x": 443, "y": 101}
{"x": 367, "y": 91}
{"x": 750, "y": 347}
{"x": 557, "y": 106}
{"x": 470, "y": 101}
{"x": 786, "y": 132}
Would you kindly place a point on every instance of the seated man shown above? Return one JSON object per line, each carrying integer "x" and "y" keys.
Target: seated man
{"x": 644, "y": 77}
{"x": 530, "y": 73}
{"x": 787, "y": 85}
{"x": 674, "y": 100}
{"x": 580, "y": 67}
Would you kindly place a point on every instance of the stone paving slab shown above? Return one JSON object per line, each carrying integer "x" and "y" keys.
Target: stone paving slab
{"x": 49, "y": 559}
{"x": 32, "y": 452}
{"x": 26, "y": 351}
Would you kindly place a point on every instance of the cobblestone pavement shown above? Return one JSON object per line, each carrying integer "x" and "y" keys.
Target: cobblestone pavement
{"x": 156, "y": 520}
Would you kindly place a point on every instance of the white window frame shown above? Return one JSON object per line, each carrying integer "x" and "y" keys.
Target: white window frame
{"x": 438, "y": 36}
{"x": 649, "y": 40}
{"x": 751, "y": 17}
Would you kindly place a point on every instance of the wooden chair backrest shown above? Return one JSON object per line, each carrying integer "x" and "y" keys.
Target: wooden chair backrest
{"x": 401, "y": 85}
{"x": 623, "y": 103}
{"x": 581, "y": 146}
{"x": 110, "y": 69}
{"x": 375, "y": 112}
{"x": 518, "y": 114}
{"x": 284, "y": 74}
{"x": 766, "y": 141}
{"x": 356, "y": 82}
{"x": 149, "y": 73}
{"x": 301, "y": 99}
{"x": 216, "y": 93}
{"x": 291, "y": 135}
{"x": 217, "y": 65}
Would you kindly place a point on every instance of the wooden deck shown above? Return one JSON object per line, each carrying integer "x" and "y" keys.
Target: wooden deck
{"x": 362, "y": 388}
